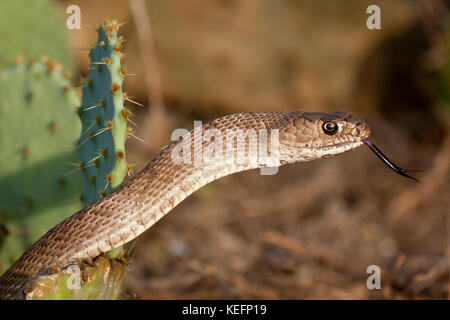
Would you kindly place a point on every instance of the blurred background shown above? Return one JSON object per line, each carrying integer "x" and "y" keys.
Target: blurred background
{"x": 310, "y": 231}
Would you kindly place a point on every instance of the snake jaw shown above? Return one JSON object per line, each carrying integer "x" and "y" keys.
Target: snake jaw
{"x": 388, "y": 162}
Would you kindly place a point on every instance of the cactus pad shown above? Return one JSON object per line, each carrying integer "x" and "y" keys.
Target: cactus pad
{"x": 101, "y": 278}
{"x": 104, "y": 118}
{"x": 38, "y": 134}
{"x": 25, "y": 27}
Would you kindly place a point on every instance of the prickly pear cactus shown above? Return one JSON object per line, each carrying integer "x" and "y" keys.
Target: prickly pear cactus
{"x": 102, "y": 144}
{"x": 39, "y": 181}
{"x": 41, "y": 176}
{"x": 101, "y": 148}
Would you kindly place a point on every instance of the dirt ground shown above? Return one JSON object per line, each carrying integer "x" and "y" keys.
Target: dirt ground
{"x": 312, "y": 230}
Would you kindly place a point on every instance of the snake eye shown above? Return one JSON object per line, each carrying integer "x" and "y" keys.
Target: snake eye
{"x": 329, "y": 127}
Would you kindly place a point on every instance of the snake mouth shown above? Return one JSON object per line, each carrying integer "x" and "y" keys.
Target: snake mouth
{"x": 388, "y": 162}
{"x": 346, "y": 145}
{"x": 335, "y": 149}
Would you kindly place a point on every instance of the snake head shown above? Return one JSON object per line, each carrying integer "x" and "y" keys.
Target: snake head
{"x": 313, "y": 135}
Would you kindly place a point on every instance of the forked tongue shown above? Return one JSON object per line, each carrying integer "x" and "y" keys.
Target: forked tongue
{"x": 388, "y": 162}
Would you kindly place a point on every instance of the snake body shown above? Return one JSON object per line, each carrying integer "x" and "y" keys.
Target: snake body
{"x": 163, "y": 184}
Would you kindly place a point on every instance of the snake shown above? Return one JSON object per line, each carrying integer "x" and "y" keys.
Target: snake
{"x": 127, "y": 212}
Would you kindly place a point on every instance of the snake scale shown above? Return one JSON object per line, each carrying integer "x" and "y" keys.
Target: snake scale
{"x": 163, "y": 184}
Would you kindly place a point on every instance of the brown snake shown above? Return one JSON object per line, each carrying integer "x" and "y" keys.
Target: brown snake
{"x": 163, "y": 184}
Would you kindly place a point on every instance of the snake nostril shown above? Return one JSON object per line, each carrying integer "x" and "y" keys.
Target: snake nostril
{"x": 357, "y": 132}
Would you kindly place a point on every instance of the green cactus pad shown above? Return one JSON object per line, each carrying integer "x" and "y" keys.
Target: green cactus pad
{"x": 39, "y": 181}
{"x": 25, "y": 27}
{"x": 101, "y": 146}
{"x": 101, "y": 278}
